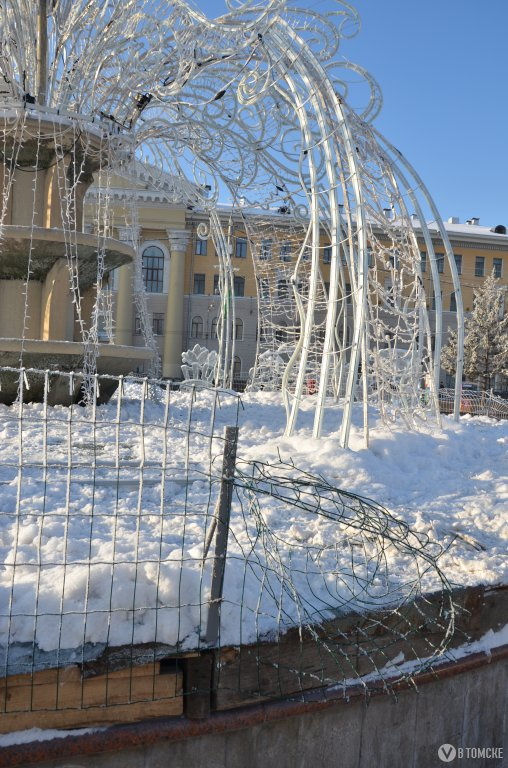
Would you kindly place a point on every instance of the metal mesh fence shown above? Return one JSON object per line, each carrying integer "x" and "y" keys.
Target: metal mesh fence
{"x": 475, "y": 403}
{"x": 132, "y": 550}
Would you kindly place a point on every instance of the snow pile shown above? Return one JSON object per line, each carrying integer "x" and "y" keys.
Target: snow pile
{"x": 99, "y": 550}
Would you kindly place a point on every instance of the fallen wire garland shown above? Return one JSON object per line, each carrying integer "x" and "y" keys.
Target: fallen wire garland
{"x": 364, "y": 588}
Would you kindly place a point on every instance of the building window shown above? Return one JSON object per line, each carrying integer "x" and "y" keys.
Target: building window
{"x": 423, "y": 261}
{"x": 241, "y": 248}
{"x": 239, "y": 286}
{"x": 348, "y": 293}
{"x": 440, "y": 262}
{"x": 153, "y": 269}
{"x": 201, "y": 247}
{"x": 479, "y": 266}
{"x": 498, "y": 267}
{"x": 458, "y": 263}
{"x": 453, "y": 302}
{"x": 327, "y": 289}
{"x": 263, "y": 289}
{"x": 216, "y": 288}
{"x": 213, "y": 331}
{"x": 393, "y": 258}
{"x": 197, "y": 327}
{"x": 158, "y": 324}
{"x": 238, "y": 329}
{"x": 282, "y": 289}
{"x": 199, "y": 283}
{"x": 285, "y": 251}
{"x": 237, "y": 368}
{"x": 327, "y": 254}
{"x": 266, "y": 250}
{"x": 370, "y": 257}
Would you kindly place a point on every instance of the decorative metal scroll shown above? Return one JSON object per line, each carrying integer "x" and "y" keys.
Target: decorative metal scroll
{"x": 258, "y": 106}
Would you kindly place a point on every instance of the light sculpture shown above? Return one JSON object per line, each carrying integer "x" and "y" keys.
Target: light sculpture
{"x": 254, "y": 104}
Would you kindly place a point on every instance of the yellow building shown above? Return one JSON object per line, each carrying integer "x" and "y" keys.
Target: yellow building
{"x": 180, "y": 272}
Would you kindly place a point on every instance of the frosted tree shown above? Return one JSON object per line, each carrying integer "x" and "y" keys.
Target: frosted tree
{"x": 486, "y": 337}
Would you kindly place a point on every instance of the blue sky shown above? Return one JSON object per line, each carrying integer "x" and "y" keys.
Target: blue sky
{"x": 443, "y": 69}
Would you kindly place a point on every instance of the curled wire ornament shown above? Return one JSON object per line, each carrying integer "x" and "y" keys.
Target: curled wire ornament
{"x": 258, "y": 106}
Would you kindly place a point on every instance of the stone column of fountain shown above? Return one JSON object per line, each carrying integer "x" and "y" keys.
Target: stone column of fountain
{"x": 172, "y": 356}
{"x": 123, "y": 325}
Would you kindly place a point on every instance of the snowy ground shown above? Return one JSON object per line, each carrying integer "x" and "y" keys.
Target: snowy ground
{"x": 451, "y": 484}
{"x": 103, "y": 524}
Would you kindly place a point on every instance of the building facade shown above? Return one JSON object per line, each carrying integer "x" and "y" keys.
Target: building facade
{"x": 180, "y": 274}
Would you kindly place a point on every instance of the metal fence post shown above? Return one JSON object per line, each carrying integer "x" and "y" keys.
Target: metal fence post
{"x": 221, "y": 540}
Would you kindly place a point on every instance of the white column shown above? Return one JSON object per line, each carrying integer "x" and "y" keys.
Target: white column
{"x": 124, "y": 297}
{"x": 173, "y": 335}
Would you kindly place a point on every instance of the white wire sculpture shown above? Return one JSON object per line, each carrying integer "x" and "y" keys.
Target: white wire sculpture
{"x": 255, "y": 103}
{"x": 199, "y": 366}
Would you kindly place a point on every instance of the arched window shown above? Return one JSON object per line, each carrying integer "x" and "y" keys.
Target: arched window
{"x": 153, "y": 269}
{"x": 197, "y": 327}
{"x": 237, "y": 368}
{"x": 238, "y": 329}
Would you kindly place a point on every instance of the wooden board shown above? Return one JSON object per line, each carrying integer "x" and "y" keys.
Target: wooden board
{"x": 350, "y": 646}
{"x": 121, "y": 687}
{"x": 63, "y": 698}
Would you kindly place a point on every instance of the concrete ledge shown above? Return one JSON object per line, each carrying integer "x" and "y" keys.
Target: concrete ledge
{"x": 461, "y": 688}
{"x": 62, "y": 357}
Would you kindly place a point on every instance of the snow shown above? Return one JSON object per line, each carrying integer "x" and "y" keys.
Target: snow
{"x": 398, "y": 666}
{"x": 41, "y": 734}
{"x": 121, "y": 561}
{"x": 486, "y": 644}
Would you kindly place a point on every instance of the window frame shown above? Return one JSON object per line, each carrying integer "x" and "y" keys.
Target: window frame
{"x": 479, "y": 261}
{"x": 283, "y": 289}
{"x": 239, "y": 282}
{"x": 201, "y": 246}
{"x": 196, "y": 322}
{"x": 238, "y": 329}
{"x": 241, "y": 241}
{"x": 197, "y": 279}
{"x": 285, "y": 250}
{"x": 265, "y": 252}
{"x": 152, "y": 270}
{"x": 263, "y": 289}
